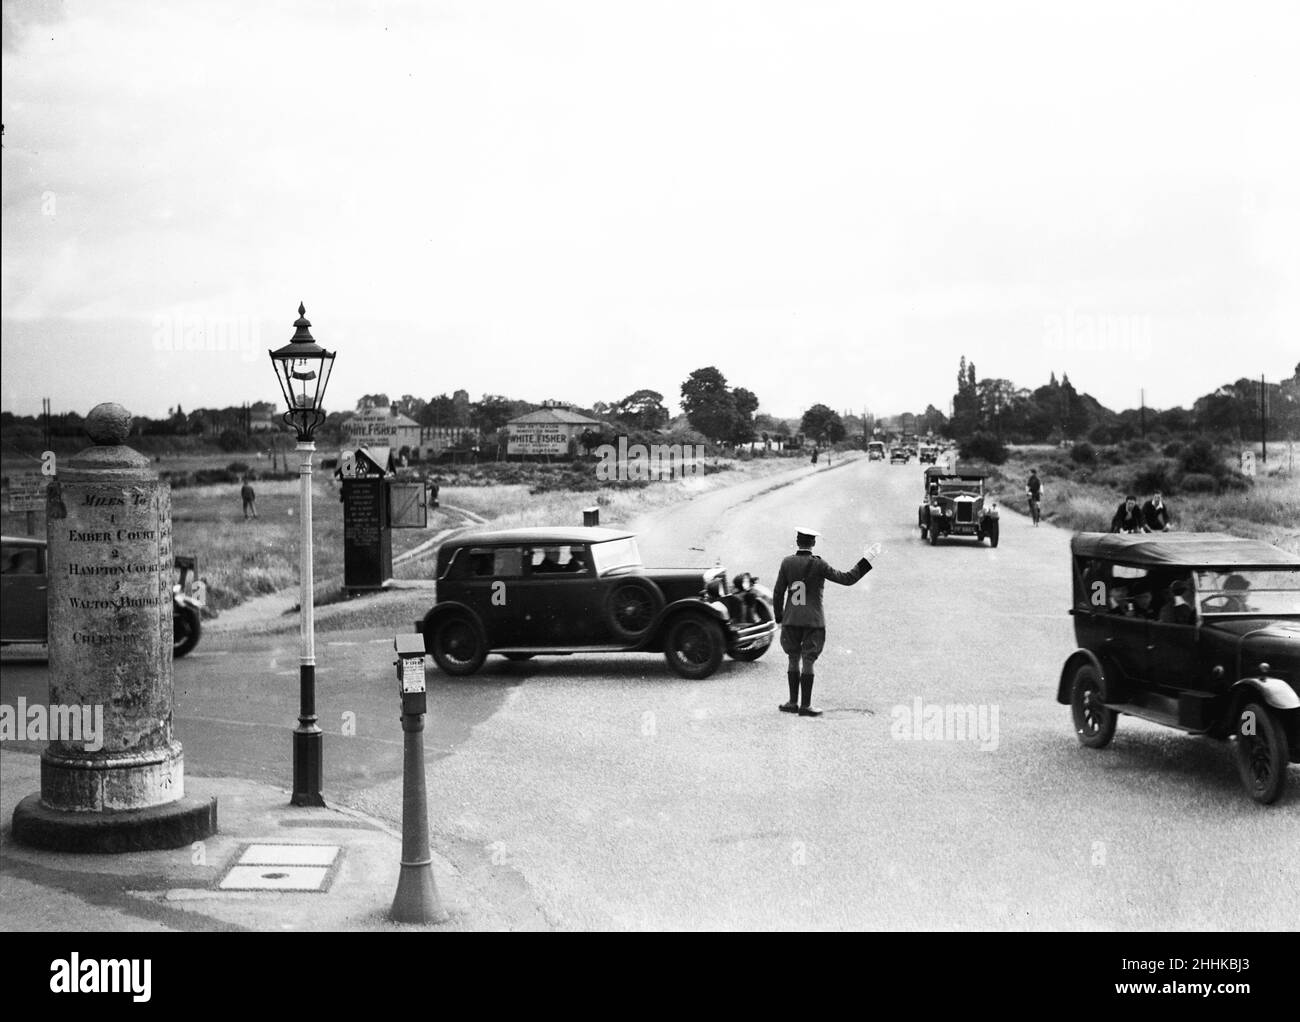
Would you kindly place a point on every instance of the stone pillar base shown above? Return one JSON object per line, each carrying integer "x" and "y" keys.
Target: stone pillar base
{"x": 112, "y": 784}
{"x": 172, "y": 825}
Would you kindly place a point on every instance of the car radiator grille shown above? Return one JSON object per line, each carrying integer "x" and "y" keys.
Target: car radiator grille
{"x": 964, "y": 513}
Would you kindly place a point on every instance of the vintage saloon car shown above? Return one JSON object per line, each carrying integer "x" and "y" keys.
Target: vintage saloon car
{"x": 1195, "y": 631}
{"x": 524, "y": 592}
{"x": 875, "y": 450}
{"x": 900, "y": 455}
{"x": 24, "y": 592}
{"x": 955, "y": 505}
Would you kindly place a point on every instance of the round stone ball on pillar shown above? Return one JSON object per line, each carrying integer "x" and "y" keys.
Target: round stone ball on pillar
{"x": 112, "y": 776}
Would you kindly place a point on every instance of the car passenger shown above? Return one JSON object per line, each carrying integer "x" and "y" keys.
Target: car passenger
{"x": 1237, "y": 589}
{"x": 550, "y": 561}
{"x": 1178, "y": 611}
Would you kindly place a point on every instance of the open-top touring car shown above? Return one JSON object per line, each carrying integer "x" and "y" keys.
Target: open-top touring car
{"x": 1195, "y": 631}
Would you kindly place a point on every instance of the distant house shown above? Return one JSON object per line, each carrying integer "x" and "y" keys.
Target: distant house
{"x": 552, "y": 430}
{"x": 380, "y": 427}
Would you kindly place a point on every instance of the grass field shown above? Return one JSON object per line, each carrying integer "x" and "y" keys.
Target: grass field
{"x": 1086, "y": 500}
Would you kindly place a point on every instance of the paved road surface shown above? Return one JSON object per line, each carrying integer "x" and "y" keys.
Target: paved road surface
{"x": 607, "y": 792}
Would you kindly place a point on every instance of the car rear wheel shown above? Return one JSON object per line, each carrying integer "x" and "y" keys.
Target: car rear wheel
{"x": 1093, "y": 722}
{"x": 1262, "y": 753}
{"x": 186, "y": 628}
{"x": 631, "y": 607}
{"x": 456, "y": 645}
{"x": 694, "y": 646}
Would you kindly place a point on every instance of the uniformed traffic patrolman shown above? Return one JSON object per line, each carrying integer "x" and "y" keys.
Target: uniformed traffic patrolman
{"x": 797, "y": 601}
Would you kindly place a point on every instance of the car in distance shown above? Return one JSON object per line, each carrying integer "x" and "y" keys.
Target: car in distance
{"x": 875, "y": 451}
{"x": 529, "y": 592}
{"x": 1195, "y": 631}
{"x": 955, "y": 504}
{"x": 24, "y": 596}
{"x": 929, "y": 454}
{"x": 899, "y": 455}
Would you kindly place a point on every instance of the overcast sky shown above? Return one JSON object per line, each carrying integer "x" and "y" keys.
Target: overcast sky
{"x": 830, "y": 202}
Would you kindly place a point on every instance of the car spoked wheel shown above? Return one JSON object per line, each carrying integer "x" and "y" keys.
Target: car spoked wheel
{"x": 1262, "y": 753}
{"x": 458, "y": 648}
{"x": 991, "y": 531}
{"x": 694, "y": 646}
{"x": 631, "y": 608}
{"x": 1094, "y": 723}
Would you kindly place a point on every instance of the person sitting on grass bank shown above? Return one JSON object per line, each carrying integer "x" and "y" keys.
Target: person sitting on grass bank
{"x": 1128, "y": 517}
{"x": 1155, "y": 513}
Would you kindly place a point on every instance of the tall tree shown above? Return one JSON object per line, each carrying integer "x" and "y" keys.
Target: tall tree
{"x": 823, "y": 424}
{"x": 746, "y": 404}
{"x": 709, "y": 405}
{"x": 642, "y": 409}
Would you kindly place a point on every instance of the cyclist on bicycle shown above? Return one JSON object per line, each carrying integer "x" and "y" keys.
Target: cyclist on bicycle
{"x": 1034, "y": 491}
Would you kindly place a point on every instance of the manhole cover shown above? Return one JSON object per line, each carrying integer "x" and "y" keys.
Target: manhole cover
{"x": 282, "y": 867}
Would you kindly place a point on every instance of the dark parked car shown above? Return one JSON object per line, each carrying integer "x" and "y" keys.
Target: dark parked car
{"x": 24, "y": 596}
{"x": 1196, "y": 631}
{"x": 23, "y": 587}
{"x": 524, "y": 592}
{"x": 899, "y": 455}
{"x": 956, "y": 505}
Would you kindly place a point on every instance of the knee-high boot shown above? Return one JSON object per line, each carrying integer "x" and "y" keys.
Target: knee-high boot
{"x": 806, "y": 708}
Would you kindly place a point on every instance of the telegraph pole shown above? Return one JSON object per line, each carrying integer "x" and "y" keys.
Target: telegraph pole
{"x": 1144, "y": 413}
{"x": 1263, "y": 421}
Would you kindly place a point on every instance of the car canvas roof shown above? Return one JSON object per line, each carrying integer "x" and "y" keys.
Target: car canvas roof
{"x": 540, "y": 537}
{"x": 1185, "y": 549}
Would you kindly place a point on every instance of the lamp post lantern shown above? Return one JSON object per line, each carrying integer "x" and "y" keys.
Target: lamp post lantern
{"x": 303, "y": 368}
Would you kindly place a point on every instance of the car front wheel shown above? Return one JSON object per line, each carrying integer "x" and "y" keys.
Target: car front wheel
{"x": 1093, "y": 722}
{"x": 186, "y": 628}
{"x": 1262, "y": 753}
{"x": 457, "y": 646}
{"x": 991, "y": 531}
{"x": 694, "y": 646}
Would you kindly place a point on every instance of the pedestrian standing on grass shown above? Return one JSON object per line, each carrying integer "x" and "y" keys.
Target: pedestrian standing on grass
{"x": 250, "y": 500}
{"x": 797, "y": 603}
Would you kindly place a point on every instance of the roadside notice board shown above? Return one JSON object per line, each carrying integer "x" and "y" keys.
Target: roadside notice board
{"x": 27, "y": 491}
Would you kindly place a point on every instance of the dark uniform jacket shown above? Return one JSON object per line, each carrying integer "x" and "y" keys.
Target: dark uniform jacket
{"x": 812, "y": 571}
{"x": 1156, "y": 517}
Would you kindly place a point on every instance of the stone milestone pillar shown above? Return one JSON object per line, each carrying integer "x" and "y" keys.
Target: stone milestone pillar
{"x": 117, "y": 782}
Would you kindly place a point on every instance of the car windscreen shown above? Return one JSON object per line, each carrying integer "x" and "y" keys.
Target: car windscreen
{"x": 1270, "y": 591}
{"x": 617, "y": 553}
{"x": 957, "y": 489}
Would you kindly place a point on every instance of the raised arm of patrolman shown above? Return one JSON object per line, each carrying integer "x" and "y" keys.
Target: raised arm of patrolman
{"x": 797, "y": 603}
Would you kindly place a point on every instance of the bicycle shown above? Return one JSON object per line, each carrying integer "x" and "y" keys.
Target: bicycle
{"x": 1035, "y": 504}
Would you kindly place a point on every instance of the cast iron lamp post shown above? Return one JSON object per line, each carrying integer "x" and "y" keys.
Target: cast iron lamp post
{"x": 303, "y": 368}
